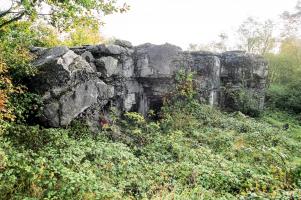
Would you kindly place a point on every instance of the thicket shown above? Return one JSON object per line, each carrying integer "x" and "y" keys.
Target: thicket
{"x": 285, "y": 72}
{"x": 16, "y": 102}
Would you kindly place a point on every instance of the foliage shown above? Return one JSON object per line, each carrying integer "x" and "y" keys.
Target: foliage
{"x": 26, "y": 106}
{"x": 84, "y": 32}
{"x": 45, "y": 35}
{"x": 17, "y": 104}
{"x": 219, "y": 46}
{"x": 284, "y": 76}
{"x": 193, "y": 152}
{"x": 184, "y": 87}
{"x": 243, "y": 100}
{"x": 62, "y": 14}
{"x": 184, "y": 84}
{"x": 6, "y": 88}
{"x": 15, "y": 41}
{"x": 284, "y": 67}
{"x": 291, "y": 22}
{"x": 256, "y": 37}
{"x": 285, "y": 97}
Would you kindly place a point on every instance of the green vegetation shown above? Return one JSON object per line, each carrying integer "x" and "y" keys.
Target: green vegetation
{"x": 244, "y": 101}
{"x": 280, "y": 43}
{"x": 62, "y": 14}
{"x": 192, "y": 152}
{"x": 284, "y": 91}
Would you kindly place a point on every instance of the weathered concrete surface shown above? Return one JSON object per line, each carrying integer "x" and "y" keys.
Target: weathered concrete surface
{"x": 83, "y": 82}
{"x": 242, "y": 70}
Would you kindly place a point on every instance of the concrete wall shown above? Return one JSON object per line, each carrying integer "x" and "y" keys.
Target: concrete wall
{"x": 82, "y": 82}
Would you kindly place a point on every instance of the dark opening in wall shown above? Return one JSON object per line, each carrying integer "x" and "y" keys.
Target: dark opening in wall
{"x": 155, "y": 104}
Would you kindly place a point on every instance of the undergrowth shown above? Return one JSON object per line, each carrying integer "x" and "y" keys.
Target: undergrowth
{"x": 193, "y": 152}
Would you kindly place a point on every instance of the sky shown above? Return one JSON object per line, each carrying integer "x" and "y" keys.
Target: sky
{"x": 4, "y": 4}
{"x": 182, "y": 22}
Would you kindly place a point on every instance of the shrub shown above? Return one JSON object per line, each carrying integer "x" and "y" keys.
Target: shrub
{"x": 243, "y": 100}
{"x": 285, "y": 97}
{"x": 6, "y": 88}
{"x": 31, "y": 137}
{"x": 15, "y": 67}
{"x": 26, "y": 107}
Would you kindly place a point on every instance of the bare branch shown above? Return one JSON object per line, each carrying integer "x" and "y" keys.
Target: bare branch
{"x": 42, "y": 14}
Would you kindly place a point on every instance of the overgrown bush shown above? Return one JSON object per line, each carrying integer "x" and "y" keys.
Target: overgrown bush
{"x": 243, "y": 100}
{"x": 284, "y": 76}
{"x": 285, "y": 97}
{"x": 15, "y": 58}
{"x": 6, "y": 89}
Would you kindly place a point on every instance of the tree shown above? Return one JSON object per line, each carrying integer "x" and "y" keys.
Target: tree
{"x": 219, "y": 46}
{"x": 61, "y": 14}
{"x": 285, "y": 66}
{"x": 29, "y": 23}
{"x": 84, "y": 33}
{"x": 256, "y": 37}
{"x": 291, "y": 22}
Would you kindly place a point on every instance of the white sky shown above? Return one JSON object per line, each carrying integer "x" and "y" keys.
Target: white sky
{"x": 182, "y": 22}
{"x": 4, "y": 5}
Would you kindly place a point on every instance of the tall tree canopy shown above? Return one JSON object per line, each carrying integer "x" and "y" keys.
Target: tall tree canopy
{"x": 291, "y": 22}
{"x": 60, "y": 13}
{"x": 256, "y": 37}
